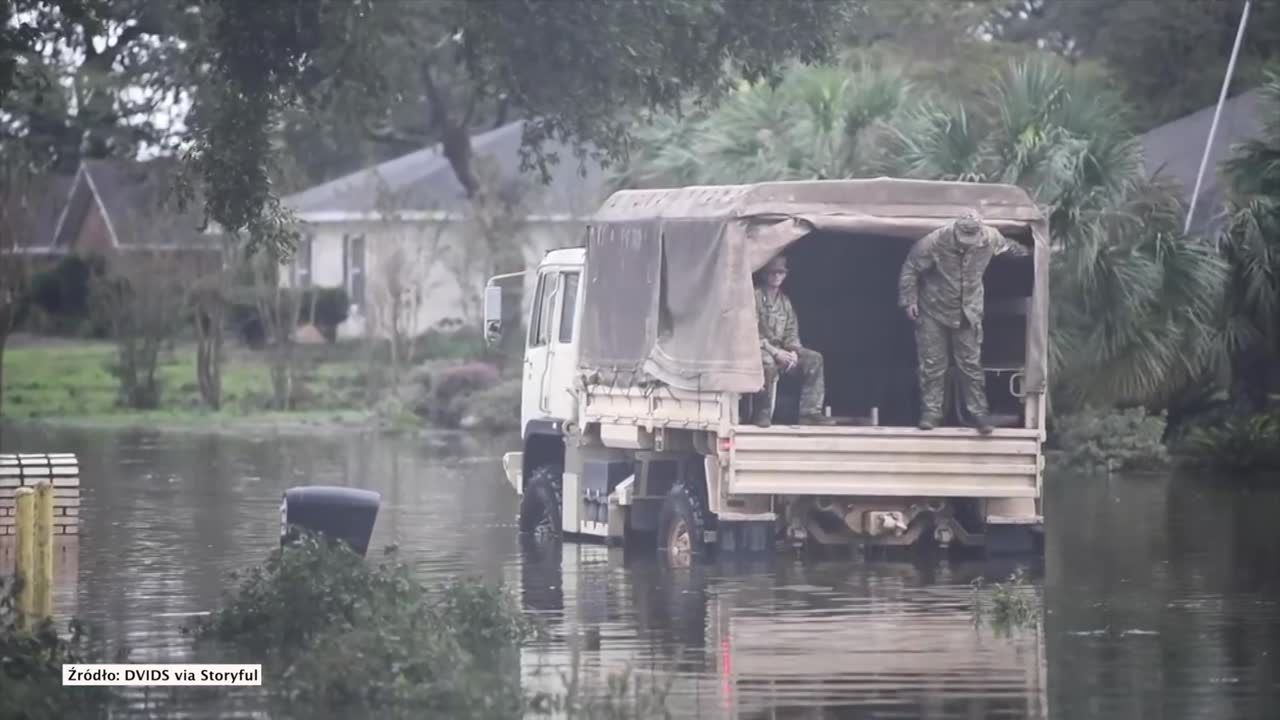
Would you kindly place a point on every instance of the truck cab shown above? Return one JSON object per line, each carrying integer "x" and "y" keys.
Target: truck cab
{"x": 641, "y": 361}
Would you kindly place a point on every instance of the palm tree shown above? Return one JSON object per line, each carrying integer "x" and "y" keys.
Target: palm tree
{"x": 818, "y": 122}
{"x": 1251, "y": 246}
{"x": 1134, "y": 298}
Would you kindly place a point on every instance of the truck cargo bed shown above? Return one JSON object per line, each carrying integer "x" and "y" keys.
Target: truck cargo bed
{"x": 884, "y": 461}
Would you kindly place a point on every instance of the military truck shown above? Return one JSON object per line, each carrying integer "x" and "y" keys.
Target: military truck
{"x": 642, "y": 359}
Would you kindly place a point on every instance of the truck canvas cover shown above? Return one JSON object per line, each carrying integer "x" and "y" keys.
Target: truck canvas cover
{"x": 668, "y": 291}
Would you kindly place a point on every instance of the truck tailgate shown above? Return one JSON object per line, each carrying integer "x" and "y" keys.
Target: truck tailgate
{"x": 885, "y": 461}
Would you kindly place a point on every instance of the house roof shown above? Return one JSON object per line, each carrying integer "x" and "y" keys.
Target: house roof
{"x": 424, "y": 181}
{"x": 1175, "y": 149}
{"x": 32, "y": 213}
{"x": 136, "y": 203}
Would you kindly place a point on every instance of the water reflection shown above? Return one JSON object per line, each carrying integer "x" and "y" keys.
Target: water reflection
{"x": 1161, "y": 596}
{"x": 749, "y": 640}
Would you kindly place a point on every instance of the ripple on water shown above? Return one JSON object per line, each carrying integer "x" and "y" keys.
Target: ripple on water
{"x": 1199, "y": 634}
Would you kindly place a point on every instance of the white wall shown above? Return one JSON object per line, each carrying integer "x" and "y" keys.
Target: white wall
{"x": 444, "y": 262}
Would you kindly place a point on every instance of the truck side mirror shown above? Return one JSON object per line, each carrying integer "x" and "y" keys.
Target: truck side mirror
{"x": 492, "y": 313}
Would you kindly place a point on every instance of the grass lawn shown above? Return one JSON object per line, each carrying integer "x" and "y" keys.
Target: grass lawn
{"x": 72, "y": 380}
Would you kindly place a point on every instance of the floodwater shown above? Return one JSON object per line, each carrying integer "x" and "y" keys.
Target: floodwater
{"x": 1160, "y": 597}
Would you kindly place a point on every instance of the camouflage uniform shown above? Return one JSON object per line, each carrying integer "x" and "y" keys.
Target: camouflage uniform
{"x": 780, "y": 330}
{"x": 942, "y": 278}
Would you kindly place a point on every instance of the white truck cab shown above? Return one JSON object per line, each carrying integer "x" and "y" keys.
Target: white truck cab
{"x": 639, "y": 356}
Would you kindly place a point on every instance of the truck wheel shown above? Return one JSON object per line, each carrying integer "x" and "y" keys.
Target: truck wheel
{"x": 540, "y": 504}
{"x": 682, "y": 526}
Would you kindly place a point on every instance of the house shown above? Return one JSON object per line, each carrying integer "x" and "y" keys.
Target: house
{"x": 1175, "y": 150}
{"x": 404, "y": 241}
{"x": 110, "y": 208}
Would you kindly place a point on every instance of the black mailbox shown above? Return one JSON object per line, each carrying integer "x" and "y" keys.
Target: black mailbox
{"x": 340, "y": 513}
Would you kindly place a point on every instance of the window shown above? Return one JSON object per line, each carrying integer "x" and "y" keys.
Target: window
{"x": 302, "y": 263}
{"x": 543, "y": 308}
{"x": 568, "y": 307}
{"x": 353, "y": 269}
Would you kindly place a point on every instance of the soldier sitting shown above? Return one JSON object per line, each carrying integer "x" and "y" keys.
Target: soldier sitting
{"x": 781, "y": 351}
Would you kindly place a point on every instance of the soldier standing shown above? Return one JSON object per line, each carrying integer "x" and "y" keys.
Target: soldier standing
{"x": 781, "y": 352}
{"x": 940, "y": 288}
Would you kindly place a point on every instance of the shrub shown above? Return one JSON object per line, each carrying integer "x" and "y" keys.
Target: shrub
{"x": 443, "y": 396}
{"x": 246, "y": 324}
{"x": 350, "y": 635}
{"x": 449, "y": 342}
{"x": 31, "y": 667}
{"x": 1238, "y": 444}
{"x": 1112, "y": 440}
{"x": 326, "y": 308}
{"x": 496, "y": 409}
{"x": 61, "y": 293}
{"x": 347, "y": 637}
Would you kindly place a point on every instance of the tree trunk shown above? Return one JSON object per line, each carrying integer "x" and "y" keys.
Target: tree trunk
{"x": 4, "y": 340}
{"x": 209, "y": 323}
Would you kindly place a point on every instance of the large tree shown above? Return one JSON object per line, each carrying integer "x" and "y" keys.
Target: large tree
{"x": 1168, "y": 57}
{"x": 91, "y": 78}
{"x": 575, "y": 69}
{"x": 431, "y": 73}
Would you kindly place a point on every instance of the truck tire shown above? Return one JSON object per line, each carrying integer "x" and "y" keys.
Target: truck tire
{"x": 540, "y": 506}
{"x": 682, "y": 526}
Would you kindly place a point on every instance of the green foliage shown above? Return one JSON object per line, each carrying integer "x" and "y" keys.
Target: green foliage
{"x": 443, "y": 395}
{"x": 818, "y": 122}
{"x": 83, "y": 78}
{"x": 1134, "y": 300}
{"x": 141, "y": 302}
{"x": 344, "y": 634}
{"x": 1251, "y": 243}
{"x": 1094, "y": 440}
{"x": 264, "y": 59}
{"x": 1238, "y": 444}
{"x": 495, "y": 409}
{"x": 350, "y": 636}
{"x": 62, "y": 291}
{"x": 327, "y": 308}
{"x": 31, "y": 662}
{"x": 1013, "y": 604}
{"x": 1168, "y": 57}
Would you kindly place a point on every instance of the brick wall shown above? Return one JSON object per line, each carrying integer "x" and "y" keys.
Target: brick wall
{"x": 27, "y": 470}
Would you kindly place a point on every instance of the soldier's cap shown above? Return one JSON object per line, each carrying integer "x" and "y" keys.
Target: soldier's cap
{"x": 777, "y": 262}
{"x": 969, "y": 224}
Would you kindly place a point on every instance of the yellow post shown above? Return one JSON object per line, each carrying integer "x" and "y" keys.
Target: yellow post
{"x": 25, "y": 502}
{"x": 43, "y": 606}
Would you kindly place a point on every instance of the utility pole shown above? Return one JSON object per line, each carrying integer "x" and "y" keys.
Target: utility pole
{"x": 1217, "y": 113}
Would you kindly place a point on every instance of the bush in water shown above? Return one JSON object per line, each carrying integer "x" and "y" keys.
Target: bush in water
{"x": 1112, "y": 440}
{"x": 31, "y": 667}
{"x": 346, "y": 636}
{"x": 443, "y": 395}
{"x": 496, "y": 409}
{"x": 1238, "y": 444}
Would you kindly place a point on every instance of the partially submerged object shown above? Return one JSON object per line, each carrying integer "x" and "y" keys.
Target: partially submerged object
{"x": 642, "y": 354}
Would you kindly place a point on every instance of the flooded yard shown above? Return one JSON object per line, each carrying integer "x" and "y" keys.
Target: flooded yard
{"x": 1160, "y": 595}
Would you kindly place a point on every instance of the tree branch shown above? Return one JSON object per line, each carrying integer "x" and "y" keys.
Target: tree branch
{"x": 454, "y": 137}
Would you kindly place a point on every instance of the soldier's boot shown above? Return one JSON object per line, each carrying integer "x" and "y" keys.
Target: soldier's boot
{"x": 984, "y": 424}
{"x": 929, "y": 421}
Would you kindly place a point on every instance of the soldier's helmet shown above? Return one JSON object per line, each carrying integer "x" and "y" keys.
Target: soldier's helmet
{"x": 777, "y": 262}
{"x": 969, "y": 225}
